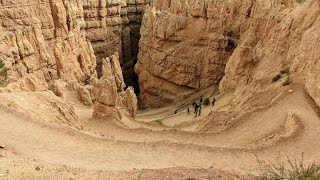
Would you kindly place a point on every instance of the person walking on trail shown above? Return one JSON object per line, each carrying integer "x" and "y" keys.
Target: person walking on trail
{"x": 199, "y": 110}
{"x": 213, "y": 101}
{"x": 188, "y": 111}
{"x": 196, "y": 109}
{"x": 194, "y": 106}
{"x": 201, "y": 101}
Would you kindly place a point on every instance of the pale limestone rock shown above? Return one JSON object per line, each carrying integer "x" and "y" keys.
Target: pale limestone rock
{"x": 105, "y": 94}
{"x": 43, "y": 43}
{"x": 111, "y": 67}
{"x": 105, "y": 91}
{"x": 31, "y": 82}
{"x": 108, "y": 91}
{"x": 129, "y": 101}
{"x": 113, "y": 26}
{"x": 191, "y": 45}
{"x": 58, "y": 88}
{"x": 179, "y": 51}
{"x": 85, "y": 96}
{"x": 106, "y": 112}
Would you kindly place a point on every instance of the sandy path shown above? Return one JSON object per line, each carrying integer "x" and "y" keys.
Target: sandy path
{"x": 67, "y": 146}
{"x": 123, "y": 149}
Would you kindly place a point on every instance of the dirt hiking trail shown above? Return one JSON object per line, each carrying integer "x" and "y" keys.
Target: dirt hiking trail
{"x": 159, "y": 139}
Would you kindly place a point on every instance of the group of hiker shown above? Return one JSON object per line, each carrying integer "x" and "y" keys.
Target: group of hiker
{"x": 197, "y": 107}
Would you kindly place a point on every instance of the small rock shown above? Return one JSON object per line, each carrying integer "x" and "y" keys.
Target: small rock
{"x": 2, "y": 155}
{"x": 291, "y": 91}
{"x": 2, "y": 146}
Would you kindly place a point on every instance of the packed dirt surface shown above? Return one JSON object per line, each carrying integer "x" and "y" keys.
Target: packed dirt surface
{"x": 158, "y": 144}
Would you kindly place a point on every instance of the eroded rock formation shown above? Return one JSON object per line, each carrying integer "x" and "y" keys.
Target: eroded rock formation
{"x": 113, "y": 26}
{"x": 282, "y": 45}
{"x": 109, "y": 93}
{"x": 189, "y": 45}
{"x": 184, "y": 47}
{"x": 41, "y": 41}
{"x": 44, "y": 46}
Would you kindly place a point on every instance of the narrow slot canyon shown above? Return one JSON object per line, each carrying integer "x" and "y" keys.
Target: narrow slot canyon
{"x": 114, "y": 26}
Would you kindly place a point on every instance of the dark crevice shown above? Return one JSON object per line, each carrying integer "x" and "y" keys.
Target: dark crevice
{"x": 230, "y": 46}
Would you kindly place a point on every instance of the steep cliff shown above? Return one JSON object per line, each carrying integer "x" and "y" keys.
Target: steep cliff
{"x": 44, "y": 46}
{"x": 41, "y": 41}
{"x": 286, "y": 48}
{"x": 113, "y": 26}
{"x": 187, "y": 46}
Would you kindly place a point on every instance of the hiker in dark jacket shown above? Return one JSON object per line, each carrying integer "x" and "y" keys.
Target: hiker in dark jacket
{"x": 213, "y": 101}
{"x": 196, "y": 109}
{"x": 194, "y": 106}
{"x": 188, "y": 111}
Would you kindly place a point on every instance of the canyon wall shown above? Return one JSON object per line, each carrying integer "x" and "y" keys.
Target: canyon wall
{"x": 44, "y": 46}
{"x": 288, "y": 46}
{"x": 42, "y": 41}
{"x": 185, "y": 46}
{"x": 113, "y": 26}
{"x": 241, "y": 46}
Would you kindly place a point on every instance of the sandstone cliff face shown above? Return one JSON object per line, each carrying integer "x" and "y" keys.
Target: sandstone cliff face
{"x": 190, "y": 45}
{"x": 41, "y": 41}
{"x": 44, "y": 46}
{"x": 184, "y": 47}
{"x": 109, "y": 94}
{"x": 289, "y": 44}
{"x": 113, "y": 26}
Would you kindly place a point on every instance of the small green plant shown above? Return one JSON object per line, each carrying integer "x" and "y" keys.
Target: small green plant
{"x": 3, "y": 73}
{"x": 300, "y": 1}
{"x": 290, "y": 170}
{"x": 139, "y": 177}
{"x": 206, "y": 101}
{"x": 276, "y": 78}
{"x": 159, "y": 122}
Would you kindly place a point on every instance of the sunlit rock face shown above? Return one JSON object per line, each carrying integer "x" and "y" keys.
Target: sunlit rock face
{"x": 186, "y": 46}
{"x": 114, "y": 26}
{"x": 42, "y": 41}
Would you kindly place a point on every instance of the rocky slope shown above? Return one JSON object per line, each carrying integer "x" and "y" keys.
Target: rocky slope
{"x": 187, "y": 46}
